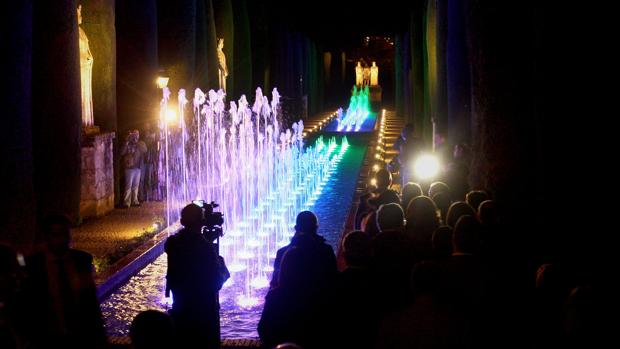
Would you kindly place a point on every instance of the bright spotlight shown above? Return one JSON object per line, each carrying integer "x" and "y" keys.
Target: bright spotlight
{"x": 373, "y": 182}
{"x": 171, "y": 116}
{"x": 375, "y": 167}
{"x": 426, "y": 167}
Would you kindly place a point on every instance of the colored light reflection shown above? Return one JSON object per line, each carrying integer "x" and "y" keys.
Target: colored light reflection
{"x": 261, "y": 175}
{"x": 357, "y": 112}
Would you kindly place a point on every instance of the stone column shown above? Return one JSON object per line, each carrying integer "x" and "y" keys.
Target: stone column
{"x": 56, "y": 107}
{"x": 97, "y": 198}
{"x": 137, "y": 65}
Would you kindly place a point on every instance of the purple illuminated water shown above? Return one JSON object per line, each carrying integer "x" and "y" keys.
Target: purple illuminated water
{"x": 260, "y": 174}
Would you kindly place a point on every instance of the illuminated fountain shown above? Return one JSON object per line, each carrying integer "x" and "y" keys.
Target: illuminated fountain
{"x": 261, "y": 175}
{"x": 357, "y": 112}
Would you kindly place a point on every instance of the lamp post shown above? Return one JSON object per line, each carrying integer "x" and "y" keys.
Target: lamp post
{"x": 162, "y": 81}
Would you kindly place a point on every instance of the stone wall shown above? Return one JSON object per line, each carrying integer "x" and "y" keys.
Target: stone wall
{"x": 97, "y": 175}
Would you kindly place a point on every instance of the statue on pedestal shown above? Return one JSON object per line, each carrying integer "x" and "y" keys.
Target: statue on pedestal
{"x": 221, "y": 57}
{"x": 86, "y": 74}
{"x": 374, "y": 74}
{"x": 358, "y": 74}
{"x": 366, "y": 76}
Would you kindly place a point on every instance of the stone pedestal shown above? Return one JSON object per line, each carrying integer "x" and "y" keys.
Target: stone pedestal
{"x": 375, "y": 94}
{"x": 97, "y": 175}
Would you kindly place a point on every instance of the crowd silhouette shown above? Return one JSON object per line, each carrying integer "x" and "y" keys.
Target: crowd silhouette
{"x": 431, "y": 266}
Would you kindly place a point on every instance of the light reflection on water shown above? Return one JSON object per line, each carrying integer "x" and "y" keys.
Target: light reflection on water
{"x": 145, "y": 289}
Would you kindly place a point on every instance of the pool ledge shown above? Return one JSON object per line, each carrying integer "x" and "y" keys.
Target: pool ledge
{"x": 118, "y": 274}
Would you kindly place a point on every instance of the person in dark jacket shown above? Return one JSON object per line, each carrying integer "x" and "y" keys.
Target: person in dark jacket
{"x": 297, "y": 309}
{"x": 195, "y": 275}
{"x": 323, "y": 260}
{"x": 61, "y": 292}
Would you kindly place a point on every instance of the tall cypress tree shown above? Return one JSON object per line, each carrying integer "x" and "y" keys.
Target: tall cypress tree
{"x": 212, "y": 64}
{"x": 177, "y": 42}
{"x": 242, "y": 50}
{"x": 417, "y": 65}
{"x": 56, "y": 107}
{"x": 225, "y": 28}
{"x": 17, "y": 211}
{"x": 458, "y": 75}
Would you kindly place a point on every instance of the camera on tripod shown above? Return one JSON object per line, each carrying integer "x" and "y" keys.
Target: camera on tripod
{"x": 211, "y": 221}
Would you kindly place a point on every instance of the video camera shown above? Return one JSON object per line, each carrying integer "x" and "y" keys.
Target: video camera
{"x": 211, "y": 221}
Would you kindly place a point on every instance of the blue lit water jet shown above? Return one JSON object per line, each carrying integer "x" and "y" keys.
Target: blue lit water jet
{"x": 261, "y": 174}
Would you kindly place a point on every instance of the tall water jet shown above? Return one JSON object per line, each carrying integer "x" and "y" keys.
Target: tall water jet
{"x": 260, "y": 174}
{"x": 357, "y": 112}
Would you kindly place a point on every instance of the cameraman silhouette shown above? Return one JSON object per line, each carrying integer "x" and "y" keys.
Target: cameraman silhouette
{"x": 195, "y": 275}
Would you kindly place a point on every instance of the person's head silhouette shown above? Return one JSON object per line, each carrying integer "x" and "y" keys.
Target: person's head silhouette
{"x": 57, "y": 233}
{"x": 191, "y": 217}
{"x": 152, "y": 329}
{"x": 306, "y": 223}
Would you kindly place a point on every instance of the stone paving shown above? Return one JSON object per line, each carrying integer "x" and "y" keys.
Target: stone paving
{"x": 105, "y": 235}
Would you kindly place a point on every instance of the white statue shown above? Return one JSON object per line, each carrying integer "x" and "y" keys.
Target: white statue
{"x": 358, "y": 74}
{"x": 222, "y": 64}
{"x": 86, "y": 73}
{"x": 366, "y": 75}
{"x": 374, "y": 74}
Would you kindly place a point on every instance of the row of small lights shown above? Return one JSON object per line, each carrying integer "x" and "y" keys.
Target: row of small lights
{"x": 321, "y": 124}
{"x": 380, "y": 149}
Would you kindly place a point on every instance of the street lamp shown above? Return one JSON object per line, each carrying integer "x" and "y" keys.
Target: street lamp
{"x": 162, "y": 81}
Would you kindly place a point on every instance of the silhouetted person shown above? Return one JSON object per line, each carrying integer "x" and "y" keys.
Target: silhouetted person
{"x": 296, "y": 310}
{"x": 487, "y": 213}
{"x": 585, "y": 324}
{"x": 381, "y": 194}
{"x": 438, "y": 187}
{"x": 195, "y": 275}
{"x": 11, "y": 314}
{"x": 465, "y": 277}
{"x": 149, "y": 183}
{"x": 357, "y": 315}
{"x": 390, "y": 217}
{"x": 392, "y": 259}
{"x": 456, "y": 210}
{"x": 443, "y": 202}
{"x": 64, "y": 310}
{"x": 408, "y": 192}
{"x": 323, "y": 267}
{"x": 422, "y": 221}
{"x": 457, "y": 172}
{"x": 475, "y": 197}
{"x": 427, "y": 322}
{"x": 442, "y": 243}
{"x": 152, "y": 329}
{"x": 405, "y": 133}
{"x": 552, "y": 288}
{"x": 493, "y": 238}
